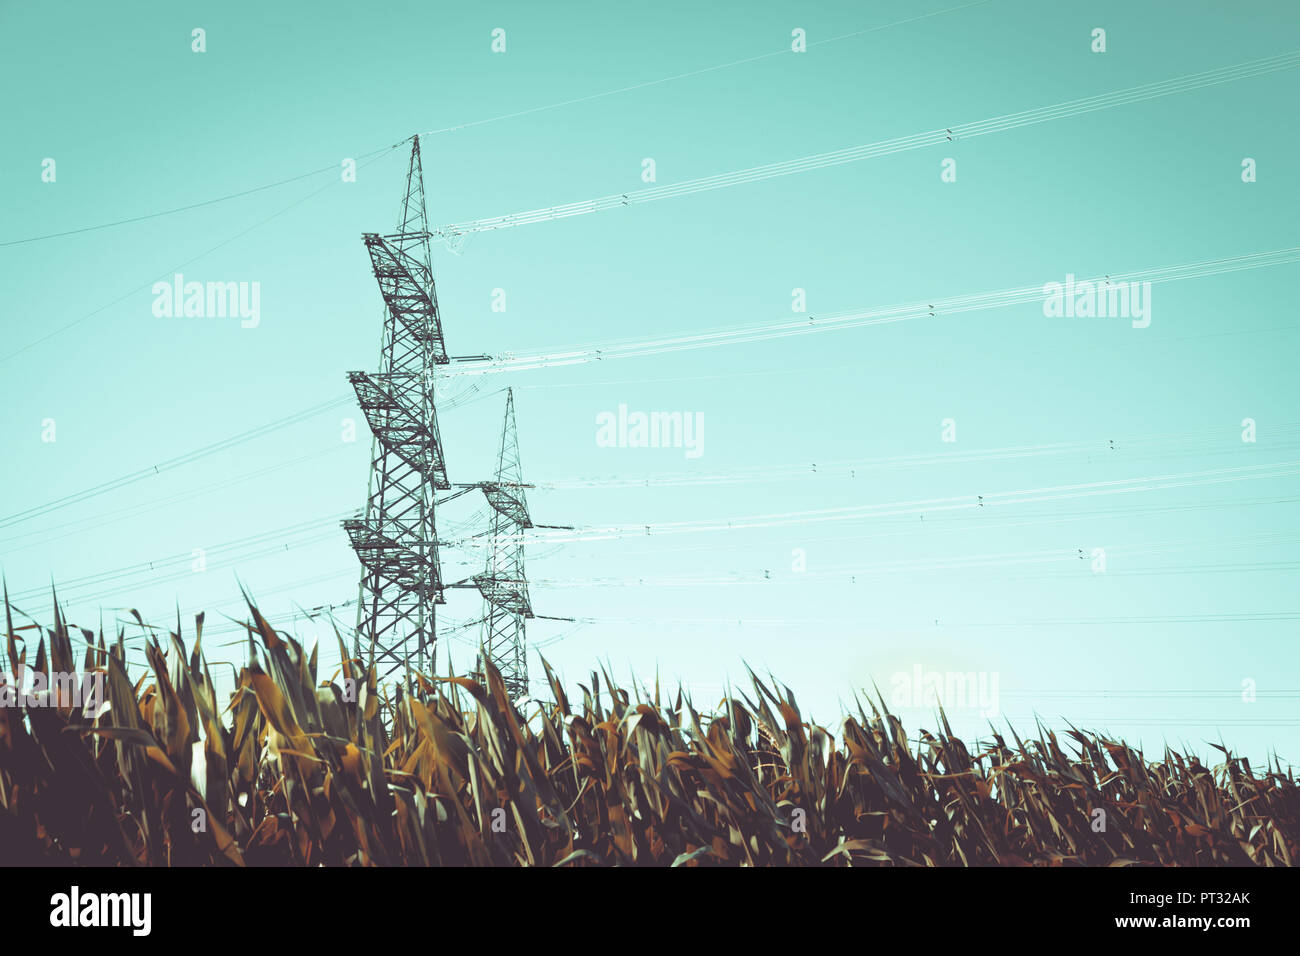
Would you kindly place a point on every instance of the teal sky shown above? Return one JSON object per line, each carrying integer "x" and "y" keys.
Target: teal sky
{"x": 1199, "y": 591}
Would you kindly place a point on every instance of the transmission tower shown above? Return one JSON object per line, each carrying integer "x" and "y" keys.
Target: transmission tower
{"x": 503, "y": 584}
{"x": 396, "y": 539}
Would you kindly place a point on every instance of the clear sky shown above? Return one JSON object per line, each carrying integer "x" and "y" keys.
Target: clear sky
{"x": 1198, "y": 590}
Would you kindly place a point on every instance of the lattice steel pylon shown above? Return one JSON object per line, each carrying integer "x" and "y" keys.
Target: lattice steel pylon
{"x": 396, "y": 538}
{"x": 503, "y": 584}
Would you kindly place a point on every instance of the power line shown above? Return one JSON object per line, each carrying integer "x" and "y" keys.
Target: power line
{"x": 927, "y": 506}
{"x": 92, "y": 522}
{"x": 1200, "y": 441}
{"x": 466, "y": 397}
{"x": 1072, "y": 556}
{"x": 187, "y": 573}
{"x": 785, "y": 51}
{"x": 334, "y": 167}
{"x": 975, "y": 522}
{"x": 170, "y": 272}
{"x": 1069, "y": 555}
{"x": 455, "y": 231}
{"x": 903, "y": 565}
{"x": 186, "y": 557}
{"x": 582, "y": 534}
{"x": 196, "y": 205}
{"x": 1247, "y": 617}
{"x": 848, "y": 319}
{"x": 170, "y": 463}
{"x": 856, "y": 318}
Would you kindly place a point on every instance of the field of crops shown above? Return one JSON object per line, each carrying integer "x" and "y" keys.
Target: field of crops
{"x": 301, "y": 768}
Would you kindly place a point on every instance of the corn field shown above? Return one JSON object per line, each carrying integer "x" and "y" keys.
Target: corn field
{"x": 297, "y": 768}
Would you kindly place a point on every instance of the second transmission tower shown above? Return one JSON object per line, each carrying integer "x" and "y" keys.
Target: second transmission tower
{"x": 503, "y": 585}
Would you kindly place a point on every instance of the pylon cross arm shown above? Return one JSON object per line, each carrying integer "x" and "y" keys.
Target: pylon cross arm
{"x": 506, "y": 594}
{"x": 509, "y": 503}
{"x": 399, "y": 427}
{"x": 410, "y": 300}
{"x": 394, "y": 560}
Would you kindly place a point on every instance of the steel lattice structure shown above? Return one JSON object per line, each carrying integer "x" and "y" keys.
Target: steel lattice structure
{"x": 503, "y": 585}
{"x": 396, "y": 538}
